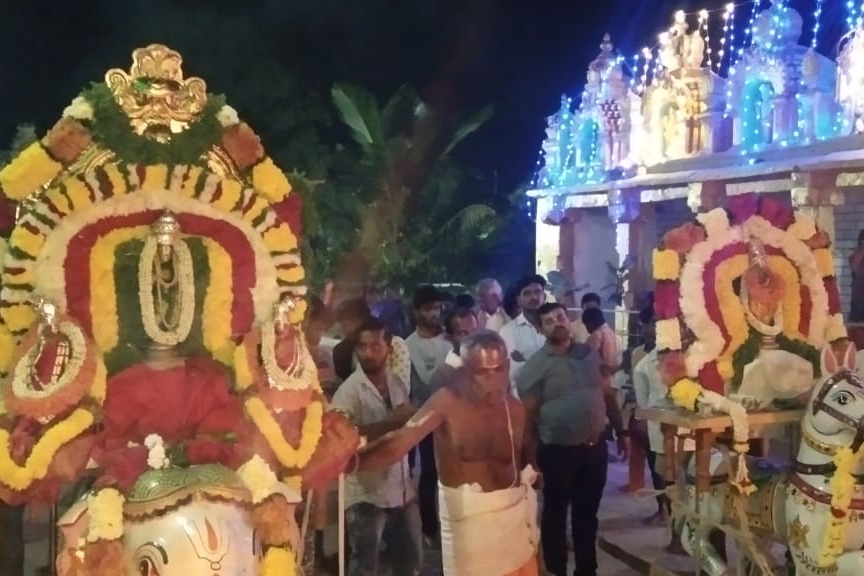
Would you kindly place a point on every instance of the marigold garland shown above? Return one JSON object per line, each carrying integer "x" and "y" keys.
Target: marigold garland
{"x": 287, "y": 455}
{"x": 278, "y": 561}
{"x": 31, "y": 170}
{"x": 686, "y": 393}
{"x": 103, "y": 289}
{"x": 19, "y": 477}
{"x": 842, "y": 488}
{"x": 270, "y": 181}
{"x": 666, "y": 264}
{"x": 824, "y": 262}
{"x": 216, "y": 317}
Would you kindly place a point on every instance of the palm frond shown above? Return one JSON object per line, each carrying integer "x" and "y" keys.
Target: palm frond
{"x": 359, "y": 111}
{"x": 399, "y": 111}
{"x": 476, "y": 219}
{"x": 468, "y": 127}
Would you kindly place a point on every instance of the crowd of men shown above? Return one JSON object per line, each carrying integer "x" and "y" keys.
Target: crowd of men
{"x": 490, "y": 404}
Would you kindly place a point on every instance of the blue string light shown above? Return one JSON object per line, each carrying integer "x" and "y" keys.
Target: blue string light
{"x": 817, "y": 15}
{"x": 580, "y": 158}
{"x": 852, "y": 15}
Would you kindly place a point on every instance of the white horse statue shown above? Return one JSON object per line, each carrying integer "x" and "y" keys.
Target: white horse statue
{"x": 800, "y": 508}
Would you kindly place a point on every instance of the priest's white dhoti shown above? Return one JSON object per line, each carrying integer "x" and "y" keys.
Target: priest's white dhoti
{"x": 488, "y": 533}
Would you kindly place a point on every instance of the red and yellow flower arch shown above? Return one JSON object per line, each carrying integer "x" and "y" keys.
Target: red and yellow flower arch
{"x": 702, "y": 331}
{"x": 66, "y": 240}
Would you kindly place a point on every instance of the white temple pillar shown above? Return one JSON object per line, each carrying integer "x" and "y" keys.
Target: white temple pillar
{"x": 815, "y": 193}
{"x": 705, "y": 196}
{"x": 624, "y": 212}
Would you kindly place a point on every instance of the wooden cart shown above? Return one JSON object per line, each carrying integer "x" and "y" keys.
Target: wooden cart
{"x": 705, "y": 429}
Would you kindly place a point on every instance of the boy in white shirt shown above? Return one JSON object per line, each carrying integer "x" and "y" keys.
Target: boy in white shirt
{"x": 652, "y": 392}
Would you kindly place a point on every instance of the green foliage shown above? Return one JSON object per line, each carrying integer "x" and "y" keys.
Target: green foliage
{"x": 110, "y": 125}
{"x": 419, "y": 224}
{"x": 749, "y": 351}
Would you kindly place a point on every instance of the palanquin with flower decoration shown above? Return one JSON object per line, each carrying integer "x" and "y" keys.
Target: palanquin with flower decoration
{"x": 746, "y": 297}
{"x": 151, "y": 336}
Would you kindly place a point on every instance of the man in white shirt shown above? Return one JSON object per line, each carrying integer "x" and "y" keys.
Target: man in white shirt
{"x": 461, "y": 324}
{"x": 492, "y": 315}
{"x": 523, "y": 335}
{"x": 377, "y": 402}
{"x": 652, "y": 392}
{"x": 428, "y": 348}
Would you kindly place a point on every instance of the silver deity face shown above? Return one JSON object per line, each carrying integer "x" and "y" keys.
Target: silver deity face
{"x": 47, "y": 312}
{"x": 281, "y": 310}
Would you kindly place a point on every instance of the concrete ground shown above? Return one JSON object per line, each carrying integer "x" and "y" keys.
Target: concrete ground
{"x": 620, "y": 523}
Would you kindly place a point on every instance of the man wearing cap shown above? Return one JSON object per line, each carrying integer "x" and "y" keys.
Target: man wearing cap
{"x": 522, "y": 335}
{"x": 428, "y": 348}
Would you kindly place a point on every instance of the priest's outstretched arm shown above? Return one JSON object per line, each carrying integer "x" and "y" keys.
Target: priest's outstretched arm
{"x": 392, "y": 447}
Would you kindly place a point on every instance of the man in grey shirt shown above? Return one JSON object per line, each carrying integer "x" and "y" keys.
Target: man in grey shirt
{"x": 562, "y": 391}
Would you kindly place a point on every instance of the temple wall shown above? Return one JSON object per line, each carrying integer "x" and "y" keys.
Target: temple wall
{"x": 848, "y": 221}
{"x": 594, "y": 241}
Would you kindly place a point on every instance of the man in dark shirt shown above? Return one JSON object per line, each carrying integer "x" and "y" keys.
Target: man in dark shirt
{"x": 350, "y": 314}
{"x": 562, "y": 391}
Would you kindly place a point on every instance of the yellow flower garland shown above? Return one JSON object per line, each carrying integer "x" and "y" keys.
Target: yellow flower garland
{"x": 666, "y": 264}
{"x": 32, "y": 169}
{"x": 804, "y": 226}
{"x": 103, "y": 290}
{"x": 105, "y": 511}
{"x": 216, "y": 320}
{"x": 8, "y": 342}
{"x": 278, "y": 561}
{"x": 243, "y": 377}
{"x": 842, "y": 487}
{"x": 36, "y": 467}
{"x": 824, "y": 262}
{"x": 270, "y": 181}
{"x": 310, "y": 433}
{"x": 685, "y": 393}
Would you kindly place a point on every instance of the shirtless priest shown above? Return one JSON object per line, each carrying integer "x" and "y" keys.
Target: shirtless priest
{"x": 487, "y": 506}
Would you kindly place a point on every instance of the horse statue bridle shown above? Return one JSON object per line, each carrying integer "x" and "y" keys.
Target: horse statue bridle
{"x": 819, "y": 405}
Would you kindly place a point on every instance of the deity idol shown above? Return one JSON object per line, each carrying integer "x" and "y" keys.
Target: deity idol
{"x": 775, "y": 374}
{"x": 166, "y": 286}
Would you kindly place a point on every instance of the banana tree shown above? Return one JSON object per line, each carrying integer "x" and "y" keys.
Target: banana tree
{"x": 417, "y": 204}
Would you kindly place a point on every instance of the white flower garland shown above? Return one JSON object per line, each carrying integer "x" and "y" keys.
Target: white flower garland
{"x": 259, "y": 478}
{"x": 709, "y": 342}
{"x": 79, "y": 109}
{"x": 301, "y": 375}
{"x": 183, "y": 269}
{"x": 23, "y": 370}
{"x": 157, "y": 459}
{"x": 227, "y": 116}
{"x": 740, "y": 433}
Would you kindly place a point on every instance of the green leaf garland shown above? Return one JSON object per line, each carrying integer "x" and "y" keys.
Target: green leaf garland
{"x": 751, "y": 347}
{"x": 111, "y": 130}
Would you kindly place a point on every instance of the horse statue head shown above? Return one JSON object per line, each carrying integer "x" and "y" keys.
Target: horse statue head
{"x": 835, "y": 412}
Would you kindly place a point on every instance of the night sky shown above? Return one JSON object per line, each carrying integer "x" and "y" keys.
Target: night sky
{"x": 519, "y": 55}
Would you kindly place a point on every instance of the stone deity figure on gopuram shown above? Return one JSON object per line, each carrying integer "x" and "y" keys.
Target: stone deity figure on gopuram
{"x": 151, "y": 346}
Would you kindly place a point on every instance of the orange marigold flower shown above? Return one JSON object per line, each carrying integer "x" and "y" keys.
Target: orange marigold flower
{"x": 67, "y": 140}
{"x": 242, "y": 144}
